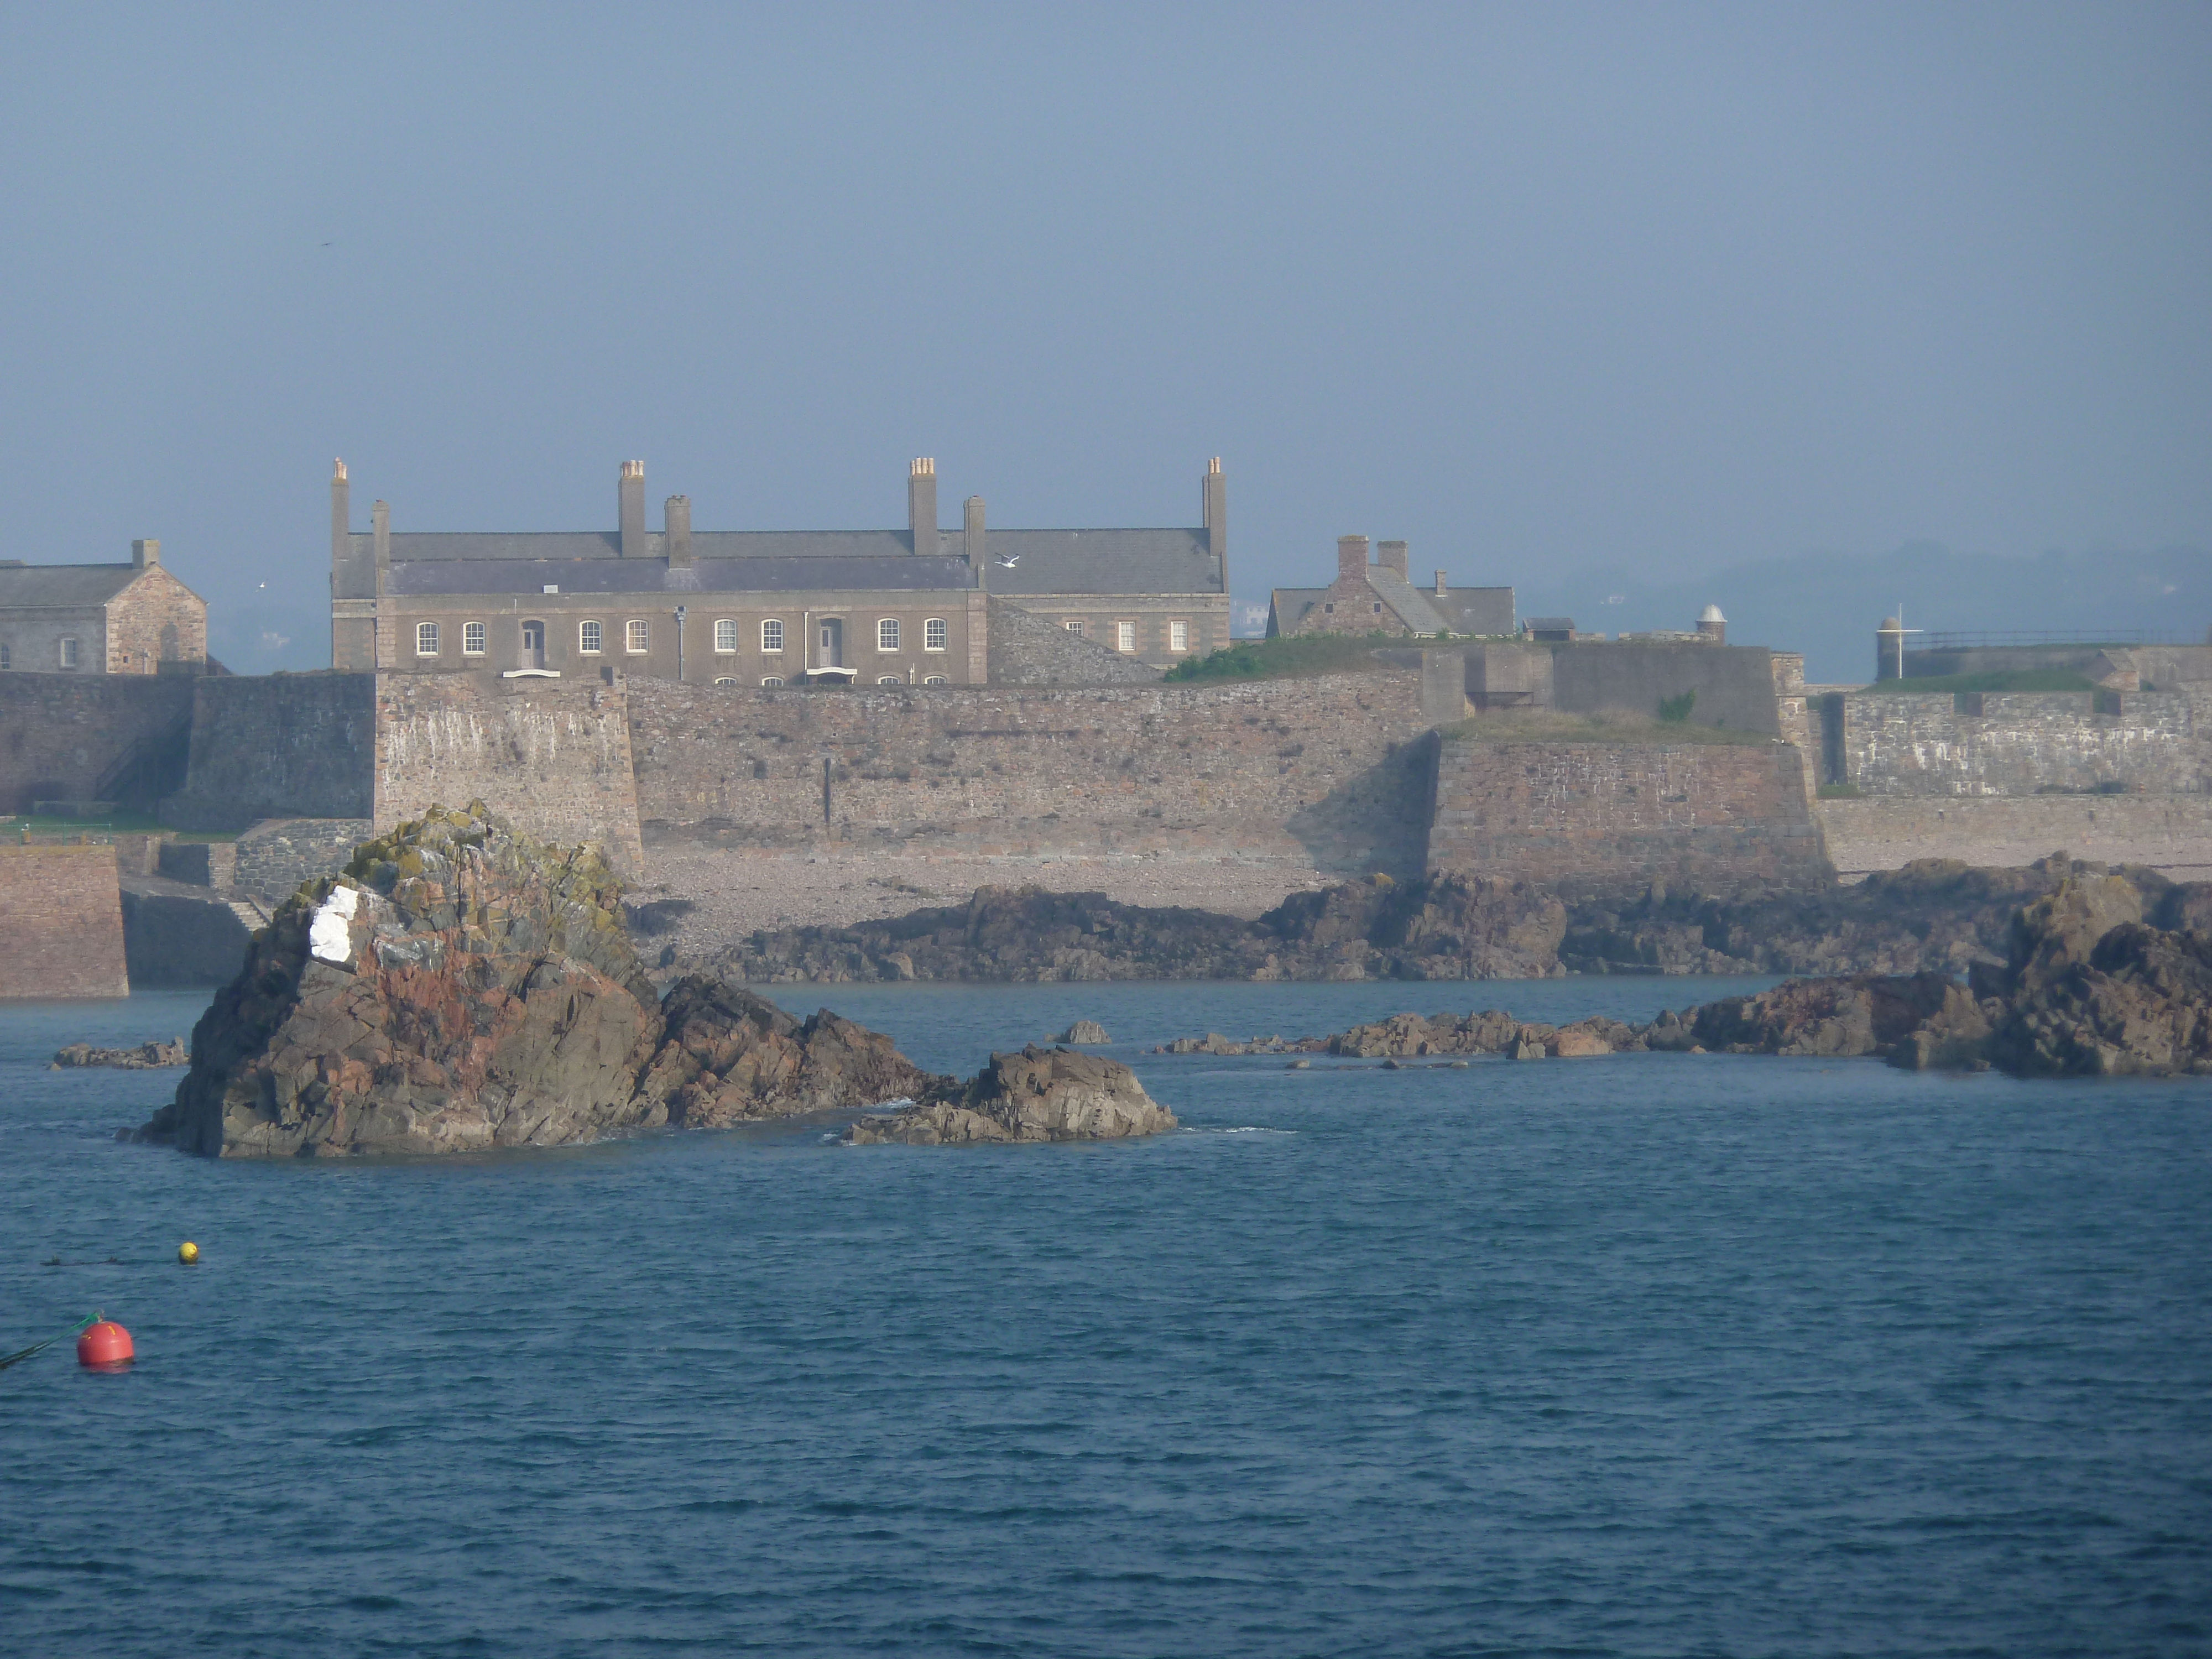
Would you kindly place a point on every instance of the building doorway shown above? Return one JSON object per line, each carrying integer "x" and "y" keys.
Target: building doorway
{"x": 533, "y": 645}
{"x": 833, "y": 643}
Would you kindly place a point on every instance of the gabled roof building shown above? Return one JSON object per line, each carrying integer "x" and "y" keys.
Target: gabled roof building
{"x": 135, "y": 618}
{"x": 765, "y": 607}
{"x": 1377, "y": 597}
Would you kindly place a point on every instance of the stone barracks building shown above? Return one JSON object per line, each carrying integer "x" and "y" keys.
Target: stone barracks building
{"x": 1380, "y": 597}
{"x": 133, "y": 619}
{"x": 753, "y": 607}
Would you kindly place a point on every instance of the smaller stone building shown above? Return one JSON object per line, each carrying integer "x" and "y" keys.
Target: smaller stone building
{"x": 1379, "y": 598}
{"x": 134, "y": 618}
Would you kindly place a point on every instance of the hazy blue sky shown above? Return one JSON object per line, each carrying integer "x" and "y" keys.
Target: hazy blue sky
{"x": 1545, "y": 290}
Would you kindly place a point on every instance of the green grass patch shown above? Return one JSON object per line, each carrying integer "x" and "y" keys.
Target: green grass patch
{"x": 121, "y": 822}
{"x": 1839, "y": 791}
{"x": 2022, "y": 679}
{"x": 1286, "y": 658}
{"x": 1540, "y": 726}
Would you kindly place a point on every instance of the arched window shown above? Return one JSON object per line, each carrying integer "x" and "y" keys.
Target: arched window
{"x": 935, "y": 633}
{"x": 472, "y": 638}
{"x": 772, "y": 636}
{"x": 773, "y": 679}
{"x": 588, "y": 637}
{"x": 637, "y": 635}
{"x": 725, "y": 635}
{"x": 889, "y": 679}
{"x": 935, "y": 679}
{"x": 887, "y": 634}
{"x": 426, "y": 639}
{"x": 726, "y": 681}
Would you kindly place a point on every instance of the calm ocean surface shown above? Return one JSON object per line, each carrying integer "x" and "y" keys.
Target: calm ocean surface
{"x": 1656, "y": 1354}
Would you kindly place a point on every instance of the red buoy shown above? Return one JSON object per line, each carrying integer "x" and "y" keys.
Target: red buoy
{"x": 103, "y": 1344}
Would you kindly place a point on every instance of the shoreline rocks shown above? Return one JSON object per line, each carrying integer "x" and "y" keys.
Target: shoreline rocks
{"x": 145, "y": 1057}
{"x": 1037, "y": 1095}
{"x": 2088, "y": 987}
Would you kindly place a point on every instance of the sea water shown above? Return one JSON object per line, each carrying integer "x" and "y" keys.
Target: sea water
{"x": 1645, "y": 1354}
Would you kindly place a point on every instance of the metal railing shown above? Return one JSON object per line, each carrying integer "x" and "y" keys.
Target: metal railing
{"x": 1968, "y": 640}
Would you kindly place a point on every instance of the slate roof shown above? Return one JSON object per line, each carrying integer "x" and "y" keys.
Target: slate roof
{"x": 432, "y": 577}
{"x": 1044, "y": 561}
{"x": 1101, "y": 562}
{"x": 1286, "y": 605}
{"x": 1475, "y": 610}
{"x": 62, "y": 587}
{"x": 1402, "y": 597}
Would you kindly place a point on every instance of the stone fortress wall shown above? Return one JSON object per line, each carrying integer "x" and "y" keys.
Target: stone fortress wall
{"x": 61, "y": 923}
{"x": 553, "y": 756}
{"x": 1606, "y": 821}
{"x": 1318, "y": 778}
{"x": 1305, "y": 773}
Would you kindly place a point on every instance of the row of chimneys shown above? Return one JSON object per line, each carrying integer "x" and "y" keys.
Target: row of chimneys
{"x": 1351, "y": 559}
{"x": 921, "y": 515}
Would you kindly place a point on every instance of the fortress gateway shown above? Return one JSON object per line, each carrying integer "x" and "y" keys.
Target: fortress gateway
{"x": 765, "y": 608}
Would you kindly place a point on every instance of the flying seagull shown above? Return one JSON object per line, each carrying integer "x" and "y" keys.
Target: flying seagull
{"x": 1007, "y": 561}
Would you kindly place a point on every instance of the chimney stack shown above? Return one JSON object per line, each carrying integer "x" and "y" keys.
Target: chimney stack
{"x": 1440, "y": 584}
{"x": 340, "y": 515}
{"x": 1351, "y": 556}
{"x": 1215, "y": 490}
{"x": 1392, "y": 557}
{"x": 971, "y": 535}
{"x": 630, "y": 491}
{"x": 677, "y": 517}
{"x": 146, "y": 555}
{"x": 922, "y": 505}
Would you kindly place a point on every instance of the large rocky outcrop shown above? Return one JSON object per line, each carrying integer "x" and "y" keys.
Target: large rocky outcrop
{"x": 728, "y": 1056}
{"x": 1039, "y": 1094}
{"x": 1450, "y": 927}
{"x": 461, "y": 986}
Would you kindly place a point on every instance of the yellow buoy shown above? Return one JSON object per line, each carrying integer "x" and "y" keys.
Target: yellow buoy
{"x": 188, "y": 1253}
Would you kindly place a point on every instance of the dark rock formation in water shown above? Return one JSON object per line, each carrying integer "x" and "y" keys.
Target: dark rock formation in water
{"x": 1933, "y": 916}
{"x": 1039, "y": 1094}
{"x": 461, "y": 986}
{"x": 2087, "y": 987}
{"x": 1449, "y": 927}
{"x": 145, "y": 1057}
{"x": 728, "y": 1056}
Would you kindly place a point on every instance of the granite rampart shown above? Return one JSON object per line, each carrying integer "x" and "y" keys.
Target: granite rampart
{"x": 552, "y": 756}
{"x": 1330, "y": 773}
{"x": 61, "y": 923}
{"x": 1606, "y": 821}
{"x": 280, "y": 746}
{"x": 63, "y": 735}
{"x": 2022, "y": 744}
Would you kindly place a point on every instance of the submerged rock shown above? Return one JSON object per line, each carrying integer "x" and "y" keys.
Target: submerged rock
{"x": 460, "y": 986}
{"x": 145, "y": 1057}
{"x": 1039, "y": 1094}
